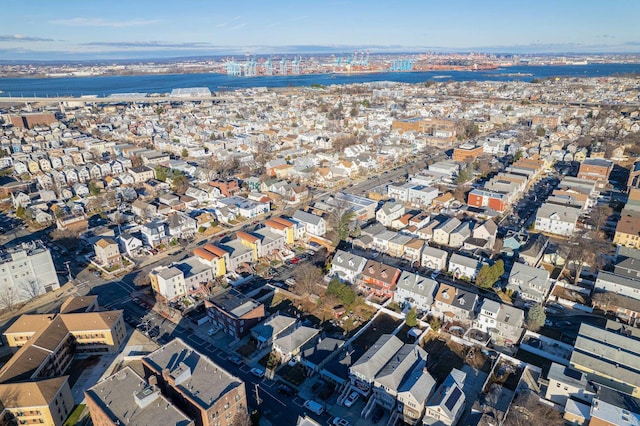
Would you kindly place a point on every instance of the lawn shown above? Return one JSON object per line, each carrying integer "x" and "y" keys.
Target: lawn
{"x": 442, "y": 358}
{"x": 383, "y": 324}
{"x": 74, "y": 417}
{"x": 248, "y": 348}
{"x": 294, "y": 375}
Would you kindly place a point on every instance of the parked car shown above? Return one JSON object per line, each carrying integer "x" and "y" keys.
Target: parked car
{"x": 337, "y": 421}
{"x": 258, "y": 372}
{"x": 351, "y": 399}
{"x": 286, "y": 390}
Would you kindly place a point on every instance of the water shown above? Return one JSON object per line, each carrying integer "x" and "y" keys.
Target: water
{"x": 102, "y": 86}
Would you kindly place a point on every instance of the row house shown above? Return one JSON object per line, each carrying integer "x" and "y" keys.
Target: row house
{"x": 434, "y": 258}
{"x": 453, "y": 304}
{"x": 389, "y": 212}
{"x": 415, "y": 291}
{"x": 529, "y": 283}
{"x": 556, "y": 219}
{"x": 494, "y": 200}
{"x": 379, "y": 279}
{"x": 463, "y": 266}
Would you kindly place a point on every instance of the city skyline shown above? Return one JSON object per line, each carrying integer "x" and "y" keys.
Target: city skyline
{"x": 145, "y": 29}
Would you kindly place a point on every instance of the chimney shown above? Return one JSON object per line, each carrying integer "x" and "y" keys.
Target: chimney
{"x": 153, "y": 380}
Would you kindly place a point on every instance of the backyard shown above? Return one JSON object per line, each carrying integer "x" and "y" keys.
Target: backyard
{"x": 382, "y": 324}
{"x": 445, "y": 354}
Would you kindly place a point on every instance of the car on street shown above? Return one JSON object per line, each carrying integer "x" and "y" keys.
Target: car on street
{"x": 351, "y": 399}
{"x": 258, "y": 372}
{"x": 548, "y": 323}
{"x": 563, "y": 324}
{"x": 338, "y": 421}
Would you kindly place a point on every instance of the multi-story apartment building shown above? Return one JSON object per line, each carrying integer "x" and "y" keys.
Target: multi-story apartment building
{"x": 26, "y": 271}
{"x": 168, "y": 282}
{"x": 628, "y": 232}
{"x": 379, "y": 279}
{"x": 126, "y": 398}
{"x": 596, "y": 169}
{"x": 467, "y": 151}
{"x": 556, "y": 219}
{"x": 201, "y": 389}
{"x": 234, "y": 312}
{"x": 46, "y": 402}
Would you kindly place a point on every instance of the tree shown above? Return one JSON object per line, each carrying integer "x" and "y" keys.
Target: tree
{"x": 435, "y": 325}
{"x": 307, "y": 277}
{"x": 599, "y": 215}
{"x": 94, "y": 189}
{"x": 184, "y": 153}
{"x": 518, "y": 155}
{"x": 66, "y": 238}
{"x": 536, "y": 317}
{"x": 8, "y": 298}
{"x": 242, "y": 417}
{"x": 412, "y": 318}
{"x": 180, "y": 184}
{"x": 161, "y": 173}
{"x": 541, "y": 131}
{"x": 489, "y": 275}
{"x": 460, "y": 193}
{"x": 32, "y": 289}
{"x": 343, "y": 292}
{"x": 142, "y": 279}
{"x": 20, "y": 211}
{"x": 527, "y": 410}
{"x": 340, "y": 221}
{"x": 579, "y": 252}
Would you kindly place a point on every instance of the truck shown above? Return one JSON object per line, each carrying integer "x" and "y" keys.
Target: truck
{"x": 314, "y": 407}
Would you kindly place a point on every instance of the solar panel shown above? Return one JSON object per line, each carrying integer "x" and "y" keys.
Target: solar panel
{"x": 453, "y": 399}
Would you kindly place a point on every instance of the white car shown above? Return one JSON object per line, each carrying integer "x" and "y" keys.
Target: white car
{"x": 351, "y": 399}
{"x": 337, "y": 421}
{"x": 257, "y": 372}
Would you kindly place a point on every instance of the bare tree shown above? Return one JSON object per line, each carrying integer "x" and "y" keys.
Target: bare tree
{"x": 142, "y": 279}
{"x": 8, "y": 298}
{"x": 599, "y": 215}
{"x": 32, "y": 289}
{"x": 460, "y": 193}
{"x": 242, "y": 418}
{"x": 307, "y": 278}
{"x": 527, "y": 410}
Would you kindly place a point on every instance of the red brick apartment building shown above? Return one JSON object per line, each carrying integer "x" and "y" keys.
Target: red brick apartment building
{"x": 227, "y": 188}
{"x": 596, "y": 169}
{"x": 467, "y": 151}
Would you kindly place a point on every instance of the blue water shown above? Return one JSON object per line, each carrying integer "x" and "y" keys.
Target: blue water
{"x": 102, "y": 86}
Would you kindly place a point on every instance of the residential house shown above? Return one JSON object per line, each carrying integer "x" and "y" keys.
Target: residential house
{"x": 442, "y": 232}
{"x": 168, "y": 282}
{"x": 141, "y": 174}
{"x": 459, "y": 235}
{"x": 453, "y": 304}
{"x": 596, "y": 169}
{"x": 313, "y": 224}
{"x": 397, "y": 245}
{"x": 446, "y": 405}
{"x": 504, "y": 323}
{"x": 529, "y": 283}
{"x": 272, "y": 328}
{"x": 556, "y": 219}
{"x": 617, "y": 283}
{"x": 434, "y": 258}
{"x": 415, "y": 290}
{"x": 488, "y": 231}
{"x": 463, "y": 266}
{"x": 347, "y": 266}
{"x": 533, "y": 251}
{"x": 154, "y": 233}
{"x": 379, "y": 279}
{"x": 413, "y": 250}
{"x": 389, "y": 212}
{"x": 128, "y": 243}
{"x": 291, "y": 343}
{"x": 566, "y": 383}
{"x": 107, "y": 253}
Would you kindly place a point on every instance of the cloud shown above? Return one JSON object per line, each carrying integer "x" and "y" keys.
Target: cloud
{"x": 22, "y": 38}
{"x": 152, "y": 44}
{"x": 99, "y": 22}
{"x": 237, "y": 27}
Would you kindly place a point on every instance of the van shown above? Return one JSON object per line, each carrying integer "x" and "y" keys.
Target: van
{"x": 314, "y": 407}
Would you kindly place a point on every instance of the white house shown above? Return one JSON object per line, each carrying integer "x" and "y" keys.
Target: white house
{"x": 390, "y": 212}
{"x": 557, "y": 219}
{"x": 314, "y": 225}
{"x": 463, "y": 266}
{"x": 415, "y": 290}
{"x": 434, "y": 258}
{"x": 347, "y": 265}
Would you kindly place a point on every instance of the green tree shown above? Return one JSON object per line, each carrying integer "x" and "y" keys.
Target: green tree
{"x": 180, "y": 183}
{"x": 536, "y": 317}
{"x": 540, "y": 132}
{"x": 435, "y": 325}
{"x": 20, "y": 212}
{"x": 343, "y": 292}
{"x": 489, "y": 275}
{"x": 412, "y": 318}
{"x": 161, "y": 173}
{"x": 3, "y": 153}
{"x": 184, "y": 153}
{"x": 518, "y": 155}
{"x": 94, "y": 189}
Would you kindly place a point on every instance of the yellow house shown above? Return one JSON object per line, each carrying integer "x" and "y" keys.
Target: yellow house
{"x": 283, "y": 227}
{"x": 628, "y": 232}
{"x": 250, "y": 241}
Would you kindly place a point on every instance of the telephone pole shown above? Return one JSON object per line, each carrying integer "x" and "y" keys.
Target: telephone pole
{"x": 258, "y": 400}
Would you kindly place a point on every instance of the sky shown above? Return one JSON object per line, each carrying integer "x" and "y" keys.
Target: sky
{"x": 138, "y": 29}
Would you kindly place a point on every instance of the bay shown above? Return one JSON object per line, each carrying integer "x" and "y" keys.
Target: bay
{"x": 104, "y": 86}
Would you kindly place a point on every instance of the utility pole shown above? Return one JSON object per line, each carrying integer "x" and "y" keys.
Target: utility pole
{"x": 69, "y": 277}
{"x": 258, "y": 400}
